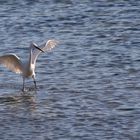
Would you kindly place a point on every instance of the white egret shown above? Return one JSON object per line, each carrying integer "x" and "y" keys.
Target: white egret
{"x": 27, "y": 70}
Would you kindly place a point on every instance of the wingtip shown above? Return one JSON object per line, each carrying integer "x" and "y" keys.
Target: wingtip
{"x": 54, "y": 41}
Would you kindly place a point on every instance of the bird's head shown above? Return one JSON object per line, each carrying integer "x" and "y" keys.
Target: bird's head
{"x": 33, "y": 45}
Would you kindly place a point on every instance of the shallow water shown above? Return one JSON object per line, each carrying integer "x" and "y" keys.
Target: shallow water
{"x": 88, "y": 86}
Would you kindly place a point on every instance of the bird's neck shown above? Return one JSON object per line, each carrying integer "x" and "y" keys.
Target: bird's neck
{"x": 30, "y": 59}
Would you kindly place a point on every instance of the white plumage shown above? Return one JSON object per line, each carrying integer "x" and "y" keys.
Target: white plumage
{"x": 13, "y": 62}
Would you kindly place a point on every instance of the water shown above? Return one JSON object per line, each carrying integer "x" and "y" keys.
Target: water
{"x": 88, "y": 86}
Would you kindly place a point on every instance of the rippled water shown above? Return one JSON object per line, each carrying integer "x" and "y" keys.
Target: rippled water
{"x": 89, "y": 86}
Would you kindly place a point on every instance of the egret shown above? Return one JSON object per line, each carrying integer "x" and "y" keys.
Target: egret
{"x": 27, "y": 70}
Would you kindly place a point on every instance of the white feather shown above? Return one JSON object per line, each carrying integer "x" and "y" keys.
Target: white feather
{"x": 12, "y": 62}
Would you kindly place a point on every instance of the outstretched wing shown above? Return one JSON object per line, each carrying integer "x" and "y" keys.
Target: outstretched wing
{"x": 12, "y": 62}
{"x": 50, "y": 44}
{"x": 47, "y": 46}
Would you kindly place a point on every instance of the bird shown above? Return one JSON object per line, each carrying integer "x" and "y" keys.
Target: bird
{"x": 27, "y": 69}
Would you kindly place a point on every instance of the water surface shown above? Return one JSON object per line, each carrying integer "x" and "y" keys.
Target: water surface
{"x": 89, "y": 86}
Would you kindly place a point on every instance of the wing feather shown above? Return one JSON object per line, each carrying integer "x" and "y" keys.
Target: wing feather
{"x": 12, "y": 62}
{"x": 50, "y": 44}
{"x": 46, "y": 47}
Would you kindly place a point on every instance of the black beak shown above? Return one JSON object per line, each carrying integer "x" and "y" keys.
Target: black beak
{"x": 38, "y": 48}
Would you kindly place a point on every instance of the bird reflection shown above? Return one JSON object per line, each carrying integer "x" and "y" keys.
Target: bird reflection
{"x": 20, "y": 101}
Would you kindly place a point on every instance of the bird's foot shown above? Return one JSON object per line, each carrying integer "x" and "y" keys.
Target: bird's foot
{"x": 23, "y": 89}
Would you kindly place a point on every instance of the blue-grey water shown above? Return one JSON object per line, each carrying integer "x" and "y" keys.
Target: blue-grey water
{"x": 88, "y": 86}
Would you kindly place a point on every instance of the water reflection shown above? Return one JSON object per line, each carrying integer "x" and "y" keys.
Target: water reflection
{"x": 19, "y": 102}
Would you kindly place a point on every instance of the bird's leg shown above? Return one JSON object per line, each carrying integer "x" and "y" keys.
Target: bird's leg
{"x": 34, "y": 81}
{"x": 23, "y": 88}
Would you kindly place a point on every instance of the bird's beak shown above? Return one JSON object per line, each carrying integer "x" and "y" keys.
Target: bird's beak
{"x": 38, "y": 48}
